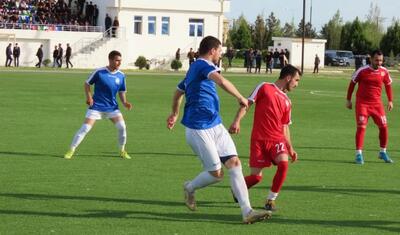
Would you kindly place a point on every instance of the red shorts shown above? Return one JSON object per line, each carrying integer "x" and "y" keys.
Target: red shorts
{"x": 264, "y": 152}
{"x": 376, "y": 111}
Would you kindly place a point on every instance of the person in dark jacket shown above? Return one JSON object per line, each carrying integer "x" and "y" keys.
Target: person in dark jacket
{"x": 8, "y": 55}
{"x": 68, "y": 54}
{"x": 16, "y": 54}
{"x": 55, "y": 56}
{"x": 60, "y": 55}
{"x": 39, "y": 55}
{"x": 258, "y": 61}
{"x": 108, "y": 24}
{"x": 115, "y": 27}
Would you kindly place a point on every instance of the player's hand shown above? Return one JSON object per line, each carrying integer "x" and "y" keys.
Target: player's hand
{"x": 349, "y": 104}
{"x": 128, "y": 105}
{"x": 171, "y": 120}
{"x": 244, "y": 102}
{"x": 390, "y": 106}
{"x": 293, "y": 155}
{"x": 89, "y": 101}
{"x": 234, "y": 128}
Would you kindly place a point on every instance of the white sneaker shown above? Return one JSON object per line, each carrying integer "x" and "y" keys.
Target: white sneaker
{"x": 189, "y": 197}
{"x": 255, "y": 216}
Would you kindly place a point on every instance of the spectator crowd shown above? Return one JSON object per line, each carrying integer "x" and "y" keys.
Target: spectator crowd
{"x": 48, "y": 12}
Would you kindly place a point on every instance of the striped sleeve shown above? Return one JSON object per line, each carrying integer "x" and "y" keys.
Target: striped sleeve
{"x": 254, "y": 95}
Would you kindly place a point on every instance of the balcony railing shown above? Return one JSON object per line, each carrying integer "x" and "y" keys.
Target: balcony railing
{"x": 51, "y": 27}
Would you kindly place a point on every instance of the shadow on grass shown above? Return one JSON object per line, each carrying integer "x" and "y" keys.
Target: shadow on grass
{"x": 328, "y": 189}
{"x": 137, "y": 215}
{"x": 365, "y": 224}
{"x": 24, "y": 154}
{"x": 340, "y": 148}
{"x": 44, "y": 197}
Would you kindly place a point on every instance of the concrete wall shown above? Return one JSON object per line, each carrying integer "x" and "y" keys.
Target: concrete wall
{"x": 311, "y": 48}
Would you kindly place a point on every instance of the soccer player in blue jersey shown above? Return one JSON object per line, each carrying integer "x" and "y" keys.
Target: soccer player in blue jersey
{"x": 205, "y": 133}
{"x": 107, "y": 81}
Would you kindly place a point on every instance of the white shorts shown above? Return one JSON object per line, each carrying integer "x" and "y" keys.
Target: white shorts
{"x": 210, "y": 145}
{"x": 97, "y": 115}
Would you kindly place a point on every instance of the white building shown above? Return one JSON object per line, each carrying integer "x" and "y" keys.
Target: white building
{"x": 312, "y": 47}
{"x": 152, "y": 28}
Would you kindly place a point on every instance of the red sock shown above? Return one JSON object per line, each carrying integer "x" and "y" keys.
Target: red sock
{"x": 252, "y": 180}
{"x": 280, "y": 176}
{"x": 383, "y": 136}
{"x": 360, "y": 138}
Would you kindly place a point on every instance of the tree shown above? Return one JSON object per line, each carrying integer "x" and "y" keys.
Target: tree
{"x": 353, "y": 38}
{"x": 332, "y": 31}
{"x": 391, "y": 40}
{"x": 259, "y": 33}
{"x": 240, "y": 34}
{"x": 310, "y": 31}
{"x": 289, "y": 30}
{"x": 273, "y": 28}
{"x": 373, "y": 27}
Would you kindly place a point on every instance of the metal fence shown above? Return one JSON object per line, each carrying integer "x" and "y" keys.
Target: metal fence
{"x": 51, "y": 27}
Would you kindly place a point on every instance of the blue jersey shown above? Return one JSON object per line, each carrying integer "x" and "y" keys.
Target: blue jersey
{"x": 106, "y": 86}
{"x": 202, "y": 102}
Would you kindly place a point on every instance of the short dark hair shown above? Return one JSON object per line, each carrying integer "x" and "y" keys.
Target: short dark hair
{"x": 289, "y": 70}
{"x": 376, "y": 52}
{"x": 207, "y": 44}
{"x": 113, "y": 54}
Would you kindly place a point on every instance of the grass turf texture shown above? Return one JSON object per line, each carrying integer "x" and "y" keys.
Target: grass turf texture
{"x": 98, "y": 193}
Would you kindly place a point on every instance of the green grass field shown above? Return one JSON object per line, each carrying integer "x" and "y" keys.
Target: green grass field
{"x": 99, "y": 193}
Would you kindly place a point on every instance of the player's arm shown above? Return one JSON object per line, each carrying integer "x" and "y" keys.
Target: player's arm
{"x": 235, "y": 126}
{"x": 176, "y": 104}
{"x": 389, "y": 95}
{"x": 228, "y": 87}
{"x": 122, "y": 97}
{"x": 88, "y": 94}
{"x": 350, "y": 90}
{"x": 292, "y": 153}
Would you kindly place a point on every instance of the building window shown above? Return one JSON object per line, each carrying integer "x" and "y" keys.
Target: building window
{"x": 137, "y": 26}
{"x": 152, "y": 25}
{"x": 165, "y": 25}
{"x": 196, "y": 27}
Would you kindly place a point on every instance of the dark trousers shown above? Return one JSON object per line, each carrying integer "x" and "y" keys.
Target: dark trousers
{"x": 8, "y": 61}
{"x": 39, "y": 64}
{"x": 16, "y": 61}
{"x": 59, "y": 61}
{"x": 316, "y": 68}
{"x": 67, "y": 60}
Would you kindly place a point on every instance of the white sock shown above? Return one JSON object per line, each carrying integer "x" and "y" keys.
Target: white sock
{"x": 202, "y": 180}
{"x": 358, "y": 151}
{"x": 121, "y": 127}
{"x": 272, "y": 195}
{"x": 85, "y": 128}
{"x": 239, "y": 189}
{"x": 383, "y": 150}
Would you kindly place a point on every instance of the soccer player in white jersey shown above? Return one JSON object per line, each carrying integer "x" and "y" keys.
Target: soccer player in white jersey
{"x": 107, "y": 81}
{"x": 205, "y": 133}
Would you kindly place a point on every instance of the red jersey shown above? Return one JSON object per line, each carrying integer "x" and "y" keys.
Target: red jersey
{"x": 272, "y": 112}
{"x": 370, "y": 83}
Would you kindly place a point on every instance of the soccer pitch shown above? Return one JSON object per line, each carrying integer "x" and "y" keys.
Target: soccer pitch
{"x": 98, "y": 193}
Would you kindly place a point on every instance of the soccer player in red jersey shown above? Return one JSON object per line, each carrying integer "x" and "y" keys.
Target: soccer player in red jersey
{"x": 370, "y": 79}
{"x": 270, "y": 138}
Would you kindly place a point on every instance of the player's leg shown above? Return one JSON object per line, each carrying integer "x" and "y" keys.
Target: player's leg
{"x": 204, "y": 147}
{"x": 229, "y": 157}
{"x": 362, "y": 121}
{"x": 256, "y": 162}
{"x": 79, "y": 136}
{"x": 119, "y": 122}
{"x": 282, "y": 168}
{"x": 379, "y": 117}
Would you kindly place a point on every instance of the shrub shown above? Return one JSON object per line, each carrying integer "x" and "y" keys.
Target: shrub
{"x": 141, "y": 62}
{"x": 46, "y": 62}
{"x": 176, "y": 65}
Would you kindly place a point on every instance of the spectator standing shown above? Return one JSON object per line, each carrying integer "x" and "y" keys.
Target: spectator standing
{"x": 229, "y": 55}
{"x": 258, "y": 61}
{"x": 55, "y": 56}
{"x": 68, "y": 54}
{"x": 249, "y": 59}
{"x": 16, "y": 54}
{"x": 276, "y": 57}
{"x": 115, "y": 27}
{"x": 95, "y": 15}
{"x": 317, "y": 61}
{"x": 8, "y": 55}
{"x": 282, "y": 59}
{"x": 108, "y": 23}
{"x": 268, "y": 61}
{"x": 178, "y": 54}
{"x": 39, "y": 55}
{"x": 287, "y": 54}
{"x": 190, "y": 56}
{"x": 60, "y": 55}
